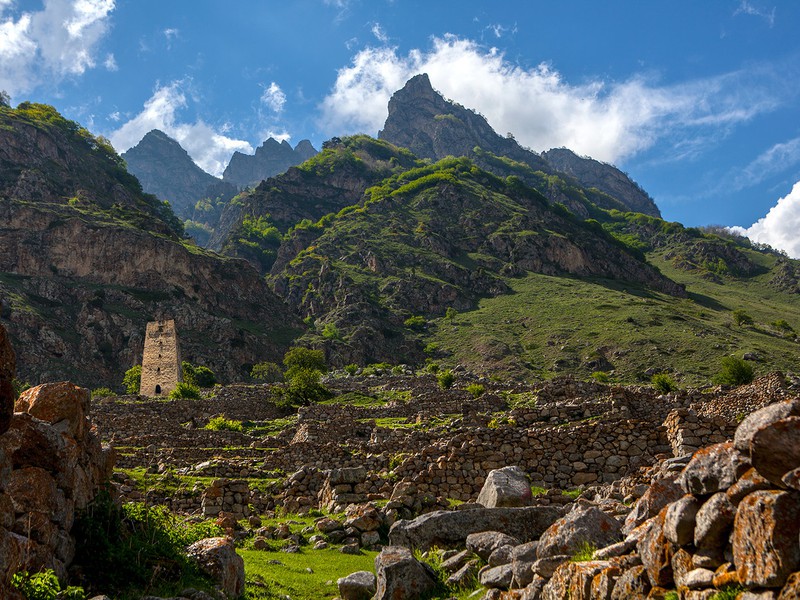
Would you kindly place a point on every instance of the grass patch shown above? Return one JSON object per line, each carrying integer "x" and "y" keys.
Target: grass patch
{"x": 585, "y": 552}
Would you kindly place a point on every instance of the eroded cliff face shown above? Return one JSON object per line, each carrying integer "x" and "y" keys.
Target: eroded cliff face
{"x": 76, "y": 297}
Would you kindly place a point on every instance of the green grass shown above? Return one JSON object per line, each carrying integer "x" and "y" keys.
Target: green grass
{"x": 585, "y": 552}
{"x": 267, "y": 581}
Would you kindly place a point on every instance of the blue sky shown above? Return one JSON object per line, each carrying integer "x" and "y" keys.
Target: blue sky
{"x": 698, "y": 101}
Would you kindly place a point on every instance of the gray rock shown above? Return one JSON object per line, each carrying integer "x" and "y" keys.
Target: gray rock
{"x": 713, "y": 522}
{"x": 448, "y": 529}
{"x": 347, "y": 475}
{"x": 775, "y": 449}
{"x": 496, "y": 577}
{"x": 400, "y": 576}
{"x": 360, "y": 585}
{"x": 761, "y": 418}
{"x": 217, "y": 558}
{"x": 680, "y": 520}
{"x": 712, "y": 469}
{"x": 508, "y": 486}
{"x": 697, "y": 579}
{"x": 618, "y": 549}
{"x": 486, "y": 542}
{"x": 466, "y": 575}
{"x": 748, "y": 483}
{"x": 455, "y": 562}
{"x": 658, "y": 495}
{"x": 545, "y": 567}
{"x": 585, "y": 523}
{"x": 501, "y": 556}
{"x": 522, "y": 559}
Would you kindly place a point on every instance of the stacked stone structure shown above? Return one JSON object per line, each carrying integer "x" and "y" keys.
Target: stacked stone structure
{"x": 161, "y": 360}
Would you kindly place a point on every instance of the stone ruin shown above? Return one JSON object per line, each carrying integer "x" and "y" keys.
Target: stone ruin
{"x": 161, "y": 359}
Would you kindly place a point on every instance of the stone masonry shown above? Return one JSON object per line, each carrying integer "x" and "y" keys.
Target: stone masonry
{"x": 161, "y": 361}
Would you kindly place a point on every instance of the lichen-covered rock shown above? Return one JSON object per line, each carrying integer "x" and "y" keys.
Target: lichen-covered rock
{"x": 508, "y": 486}
{"x": 679, "y": 522}
{"x": 573, "y": 580}
{"x": 63, "y": 404}
{"x": 545, "y": 567}
{"x": 497, "y": 577}
{"x": 713, "y": 522}
{"x": 217, "y": 558}
{"x": 604, "y": 582}
{"x": 656, "y": 552}
{"x": 791, "y": 591}
{"x": 712, "y": 469}
{"x": 401, "y": 576}
{"x": 658, "y": 495}
{"x": 585, "y": 523}
{"x": 501, "y": 556}
{"x": 486, "y": 542}
{"x": 697, "y": 579}
{"x": 360, "y": 585}
{"x": 632, "y": 584}
{"x": 765, "y": 538}
{"x": 762, "y": 418}
{"x": 775, "y": 449}
{"x": 748, "y": 483}
{"x": 522, "y": 559}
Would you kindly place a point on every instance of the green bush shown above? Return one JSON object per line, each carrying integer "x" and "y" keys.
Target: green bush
{"x": 451, "y": 313}
{"x": 601, "y": 377}
{"x": 446, "y": 379}
{"x": 44, "y": 586}
{"x": 304, "y": 358}
{"x": 185, "y": 391}
{"x": 782, "y": 325}
{"x": 417, "y": 322}
{"x": 268, "y": 372}
{"x": 476, "y": 389}
{"x": 742, "y": 318}
{"x": 103, "y": 392}
{"x": 351, "y": 369}
{"x": 199, "y": 376}
{"x": 664, "y": 383}
{"x": 432, "y": 367}
{"x": 134, "y": 546}
{"x": 331, "y": 332}
{"x": 220, "y": 423}
{"x": 132, "y": 379}
{"x": 734, "y": 371}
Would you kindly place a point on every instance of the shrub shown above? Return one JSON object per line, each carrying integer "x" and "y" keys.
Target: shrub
{"x": 432, "y": 367}
{"x": 134, "y": 546}
{"x": 185, "y": 391}
{"x": 742, "y": 318}
{"x": 476, "y": 389}
{"x": 199, "y": 376}
{"x": 664, "y": 383}
{"x": 268, "y": 372}
{"x": 304, "y": 358}
{"x": 220, "y": 423}
{"x": 446, "y": 379}
{"x": 601, "y": 377}
{"x": 132, "y": 379}
{"x": 44, "y": 586}
{"x": 451, "y": 313}
{"x": 417, "y": 322}
{"x": 351, "y": 369}
{"x": 782, "y": 325}
{"x": 103, "y": 392}
{"x": 331, "y": 332}
{"x": 734, "y": 371}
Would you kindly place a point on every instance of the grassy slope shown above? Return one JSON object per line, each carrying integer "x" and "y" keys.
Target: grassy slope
{"x": 550, "y": 319}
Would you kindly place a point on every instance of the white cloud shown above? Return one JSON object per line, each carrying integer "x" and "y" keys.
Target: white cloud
{"x": 273, "y": 97}
{"x": 110, "y": 63}
{"x": 608, "y": 121}
{"x": 379, "y": 33}
{"x": 47, "y": 45}
{"x": 774, "y": 160}
{"x": 780, "y": 226}
{"x": 748, "y": 8}
{"x": 209, "y": 147}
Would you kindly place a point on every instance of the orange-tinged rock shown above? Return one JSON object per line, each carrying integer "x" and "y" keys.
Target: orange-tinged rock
{"x": 603, "y": 583}
{"x": 775, "y": 449}
{"x": 633, "y": 585}
{"x": 791, "y": 591}
{"x": 765, "y": 538}
{"x": 63, "y": 404}
{"x": 657, "y": 551}
{"x": 573, "y": 580}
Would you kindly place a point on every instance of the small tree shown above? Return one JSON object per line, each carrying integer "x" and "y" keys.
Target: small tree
{"x": 734, "y": 371}
{"x": 132, "y": 379}
{"x": 446, "y": 379}
{"x": 268, "y": 372}
{"x": 304, "y": 369}
{"x": 304, "y": 358}
{"x": 664, "y": 383}
{"x": 742, "y": 318}
{"x": 200, "y": 376}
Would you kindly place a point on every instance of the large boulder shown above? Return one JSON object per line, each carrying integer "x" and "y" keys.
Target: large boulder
{"x": 713, "y": 522}
{"x": 656, "y": 552}
{"x": 760, "y": 419}
{"x": 63, "y": 404}
{"x": 8, "y": 368}
{"x": 485, "y": 543}
{"x": 713, "y": 468}
{"x": 401, "y": 576}
{"x": 217, "y": 558}
{"x": 680, "y": 519}
{"x": 775, "y": 449}
{"x": 360, "y": 585}
{"x": 449, "y": 529}
{"x": 508, "y": 486}
{"x": 658, "y": 495}
{"x": 584, "y": 524}
{"x": 765, "y": 538}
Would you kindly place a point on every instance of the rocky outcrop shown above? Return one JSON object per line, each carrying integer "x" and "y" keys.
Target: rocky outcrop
{"x": 508, "y": 486}
{"x": 400, "y": 576}
{"x": 51, "y": 466}
{"x": 8, "y": 369}
{"x": 166, "y": 170}
{"x": 217, "y": 559}
{"x": 269, "y": 160}
{"x": 430, "y": 126}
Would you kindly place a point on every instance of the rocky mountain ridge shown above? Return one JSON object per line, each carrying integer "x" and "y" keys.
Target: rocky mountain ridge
{"x": 269, "y": 159}
{"x": 166, "y": 170}
{"x": 423, "y": 121}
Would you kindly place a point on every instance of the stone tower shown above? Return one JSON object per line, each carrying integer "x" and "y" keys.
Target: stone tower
{"x": 161, "y": 362}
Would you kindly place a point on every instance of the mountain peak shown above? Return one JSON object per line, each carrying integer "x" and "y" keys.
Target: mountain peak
{"x": 271, "y": 158}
